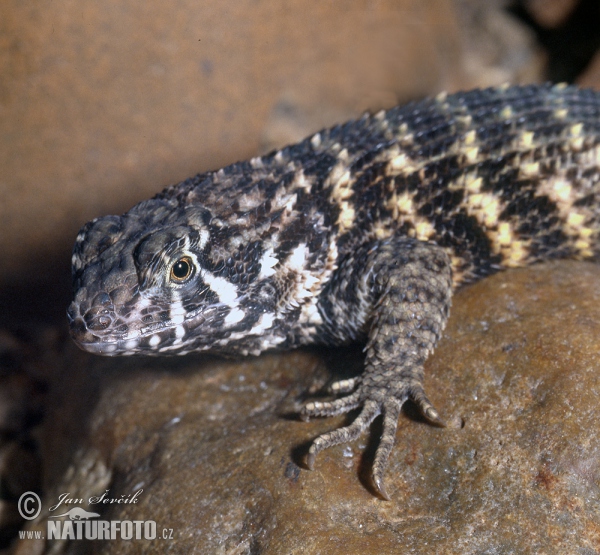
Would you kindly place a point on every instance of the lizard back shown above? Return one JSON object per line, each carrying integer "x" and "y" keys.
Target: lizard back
{"x": 498, "y": 177}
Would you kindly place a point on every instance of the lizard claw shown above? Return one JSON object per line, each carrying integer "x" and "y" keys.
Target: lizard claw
{"x": 426, "y": 408}
{"x": 380, "y": 488}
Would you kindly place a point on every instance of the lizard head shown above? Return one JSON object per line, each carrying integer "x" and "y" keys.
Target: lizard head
{"x": 165, "y": 279}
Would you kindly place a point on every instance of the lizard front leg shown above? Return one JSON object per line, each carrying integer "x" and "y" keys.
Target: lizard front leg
{"x": 410, "y": 285}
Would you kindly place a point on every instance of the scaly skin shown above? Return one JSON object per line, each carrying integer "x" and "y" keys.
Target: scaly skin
{"x": 359, "y": 233}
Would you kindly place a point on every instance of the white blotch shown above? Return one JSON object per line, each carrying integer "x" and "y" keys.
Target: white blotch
{"x": 262, "y": 325}
{"x": 204, "y": 237}
{"x": 302, "y": 182}
{"x": 309, "y": 285}
{"x": 154, "y": 341}
{"x": 130, "y": 344}
{"x": 297, "y": 259}
{"x": 310, "y": 314}
{"x": 225, "y": 290}
{"x": 175, "y": 346}
{"x": 256, "y": 163}
{"x": 179, "y": 332}
{"x": 234, "y": 316}
{"x": 266, "y": 321}
{"x": 464, "y": 120}
{"x": 268, "y": 262}
{"x": 177, "y": 312}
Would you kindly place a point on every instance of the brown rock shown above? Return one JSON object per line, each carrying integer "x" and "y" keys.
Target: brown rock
{"x": 591, "y": 76}
{"x": 550, "y": 13}
{"x": 209, "y": 443}
{"x": 498, "y": 48}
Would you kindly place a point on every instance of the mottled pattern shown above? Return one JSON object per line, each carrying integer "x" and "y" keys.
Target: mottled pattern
{"x": 358, "y": 233}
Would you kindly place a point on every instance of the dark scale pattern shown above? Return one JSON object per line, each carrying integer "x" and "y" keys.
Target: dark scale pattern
{"x": 358, "y": 233}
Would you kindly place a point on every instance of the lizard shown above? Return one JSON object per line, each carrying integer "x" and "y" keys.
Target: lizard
{"x": 360, "y": 233}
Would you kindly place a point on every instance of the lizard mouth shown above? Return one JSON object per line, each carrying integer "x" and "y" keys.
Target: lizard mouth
{"x": 87, "y": 330}
{"x": 100, "y": 331}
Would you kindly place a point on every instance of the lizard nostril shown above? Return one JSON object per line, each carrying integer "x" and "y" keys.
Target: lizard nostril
{"x": 97, "y": 319}
{"x": 103, "y": 321}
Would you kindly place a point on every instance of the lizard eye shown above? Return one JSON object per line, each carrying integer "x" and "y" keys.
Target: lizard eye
{"x": 182, "y": 270}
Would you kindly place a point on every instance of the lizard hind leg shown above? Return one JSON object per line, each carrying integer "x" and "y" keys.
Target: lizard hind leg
{"x": 411, "y": 290}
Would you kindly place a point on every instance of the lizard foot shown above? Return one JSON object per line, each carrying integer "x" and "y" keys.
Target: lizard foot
{"x": 374, "y": 402}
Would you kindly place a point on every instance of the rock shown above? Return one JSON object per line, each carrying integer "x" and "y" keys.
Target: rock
{"x": 498, "y": 48}
{"x": 217, "y": 457}
{"x": 591, "y": 76}
{"x": 566, "y": 30}
{"x": 550, "y": 13}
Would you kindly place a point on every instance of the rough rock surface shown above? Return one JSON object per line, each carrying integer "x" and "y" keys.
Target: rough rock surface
{"x": 212, "y": 445}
